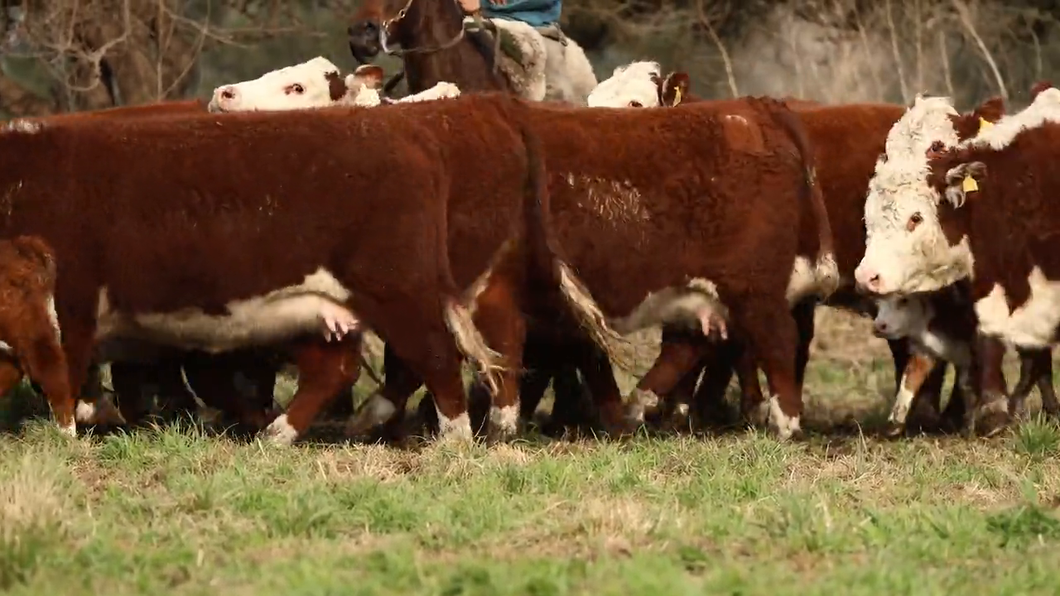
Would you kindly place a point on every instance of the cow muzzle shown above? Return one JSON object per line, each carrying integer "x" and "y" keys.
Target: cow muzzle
{"x": 364, "y": 41}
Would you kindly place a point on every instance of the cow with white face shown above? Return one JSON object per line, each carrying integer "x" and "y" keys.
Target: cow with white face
{"x": 314, "y": 84}
{"x": 939, "y": 211}
{"x": 640, "y": 85}
{"x": 905, "y": 251}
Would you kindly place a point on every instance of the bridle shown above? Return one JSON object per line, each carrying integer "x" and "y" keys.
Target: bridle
{"x": 385, "y": 25}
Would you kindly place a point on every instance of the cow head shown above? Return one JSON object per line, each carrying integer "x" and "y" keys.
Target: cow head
{"x": 312, "y": 84}
{"x": 640, "y": 85}
{"x": 906, "y": 250}
{"x": 901, "y": 316}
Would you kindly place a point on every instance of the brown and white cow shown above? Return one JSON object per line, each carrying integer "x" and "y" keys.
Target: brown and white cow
{"x": 603, "y": 198}
{"x": 942, "y": 326}
{"x": 848, "y": 139}
{"x": 940, "y": 210}
{"x": 280, "y": 227}
{"x": 145, "y": 371}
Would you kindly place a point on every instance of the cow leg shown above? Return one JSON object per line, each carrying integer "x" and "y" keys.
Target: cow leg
{"x": 599, "y": 376}
{"x": 130, "y": 380}
{"x": 917, "y": 369}
{"x": 324, "y": 370}
{"x": 213, "y": 378}
{"x": 44, "y": 362}
{"x": 10, "y": 375}
{"x": 925, "y": 412}
{"x": 804, "y": 322}
{"x": 677, "y": 413}
{"x": 717, "y": 367}
{"x": 991, "y": 414}
{"x": 498, "y": 317}
{"x": 1045, "y": 384}
{"x": 387, "y": 405}
{"x": 952, "y": 418}
{"x": 569, "y": 405}
{"x": 773, "y": 339}
{"x": 680, "y": 352}
{"x": 1028, "y": 375}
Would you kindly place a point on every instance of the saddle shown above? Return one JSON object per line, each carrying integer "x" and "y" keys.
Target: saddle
{"x": 504, "y": 41}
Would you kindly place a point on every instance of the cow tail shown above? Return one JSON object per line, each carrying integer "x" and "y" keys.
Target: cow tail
{"x": 545, "y": 255}
{"x": 826, "y": 269}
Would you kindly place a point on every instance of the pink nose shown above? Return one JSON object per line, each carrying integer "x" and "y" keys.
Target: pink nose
{"x": 881, "y": 327}
{"x": 867, "y": 280}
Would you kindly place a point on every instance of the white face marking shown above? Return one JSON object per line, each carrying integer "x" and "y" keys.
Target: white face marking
{"x": 103, "y": 411}
{"x": 785, "y": 426}
{"x": 278, "y": 316}
{"x": 457, "y": 430}
{"x": 377, "y": 410}
{"x": 6, "y": 347}
{"x": 303, "y": 85}
{"x": 632, "y": 85}
{"x": 902, "y": 316}
{"x": 905, "y": 248}
{"x": 85, "y": 412}
{"x": 505, "y": 421}
{"x": 1032, "y": 324}
{"x": 280, "y": 432}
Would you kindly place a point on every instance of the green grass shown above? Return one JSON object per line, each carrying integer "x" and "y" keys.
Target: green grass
{"x": 176, "y": 511}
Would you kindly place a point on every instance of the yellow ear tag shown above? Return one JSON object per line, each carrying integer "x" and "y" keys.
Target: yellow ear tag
{"x": 969, "y": 184}
{"x": 984, "y": 124}
{"x": 677, "y": 96}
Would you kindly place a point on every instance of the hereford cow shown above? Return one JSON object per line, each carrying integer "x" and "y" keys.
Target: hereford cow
{"x": 942, "y": 325}
{"x": 239, "y": 383}
{"x": 363, "y": 201}
{"x": 848, "y": 140}
{"x": 940, "y": 210}
{"x": 595, "y": 205}
{"x": 270, "y": 91}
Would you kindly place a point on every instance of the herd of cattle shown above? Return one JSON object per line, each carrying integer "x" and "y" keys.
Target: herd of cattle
{"x": 291, "y": 213}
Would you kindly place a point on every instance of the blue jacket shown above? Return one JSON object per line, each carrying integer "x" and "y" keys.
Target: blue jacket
{"x": 536, "y": 13}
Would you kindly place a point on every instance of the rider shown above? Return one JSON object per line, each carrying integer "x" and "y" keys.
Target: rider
{"x": 536, "y": 13}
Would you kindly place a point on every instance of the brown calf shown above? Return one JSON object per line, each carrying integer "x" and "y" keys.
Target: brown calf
{"x": 200, "y": 266}
{"x": 29, "y": 328}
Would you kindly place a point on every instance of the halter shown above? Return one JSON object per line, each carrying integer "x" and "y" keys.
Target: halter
{"x": 401, "y": 52}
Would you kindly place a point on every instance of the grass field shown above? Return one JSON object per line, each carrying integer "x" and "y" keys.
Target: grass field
{"x": 173, "y": 511}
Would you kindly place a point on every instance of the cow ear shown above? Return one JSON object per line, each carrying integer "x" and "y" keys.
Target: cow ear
{"x": 962, "y": 180}
{"x": 1039, "y": 87}
{"x": 989, "y": 112}
{"x": 369, "y": 75}
{"x": 674, "y": 89}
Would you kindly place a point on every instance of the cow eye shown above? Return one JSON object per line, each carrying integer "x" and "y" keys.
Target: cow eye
{"x": 914, "y": 221}
{"x": 635, "y": 104}
{"x": 298, "y": 88}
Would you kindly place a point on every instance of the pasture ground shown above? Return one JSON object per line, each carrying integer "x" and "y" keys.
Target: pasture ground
{"x": 175, "y": 511}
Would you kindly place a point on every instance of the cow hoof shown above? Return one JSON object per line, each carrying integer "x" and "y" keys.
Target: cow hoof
{"x": 455, "y": 431}
{"x": 503, "y": 424}
{"x": 991, "y": 423}
{"x": 280, "y": 432}
{"x": 69, "y": 430}
{"x": 756, "y": 415}
{"x": 893, "y": 430}
{"x": 783, "y": 426}
{"x": 376, "y": 411}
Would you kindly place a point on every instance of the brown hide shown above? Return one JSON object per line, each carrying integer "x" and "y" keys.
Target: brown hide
{"x": 211, "y": 377}
{"x": 848, "y": 140}
{"x": 198, "y": 210}
{"x": 27, "y": 284}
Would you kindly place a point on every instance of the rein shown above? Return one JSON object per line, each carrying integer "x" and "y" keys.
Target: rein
{"x": 403, "y": 51}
